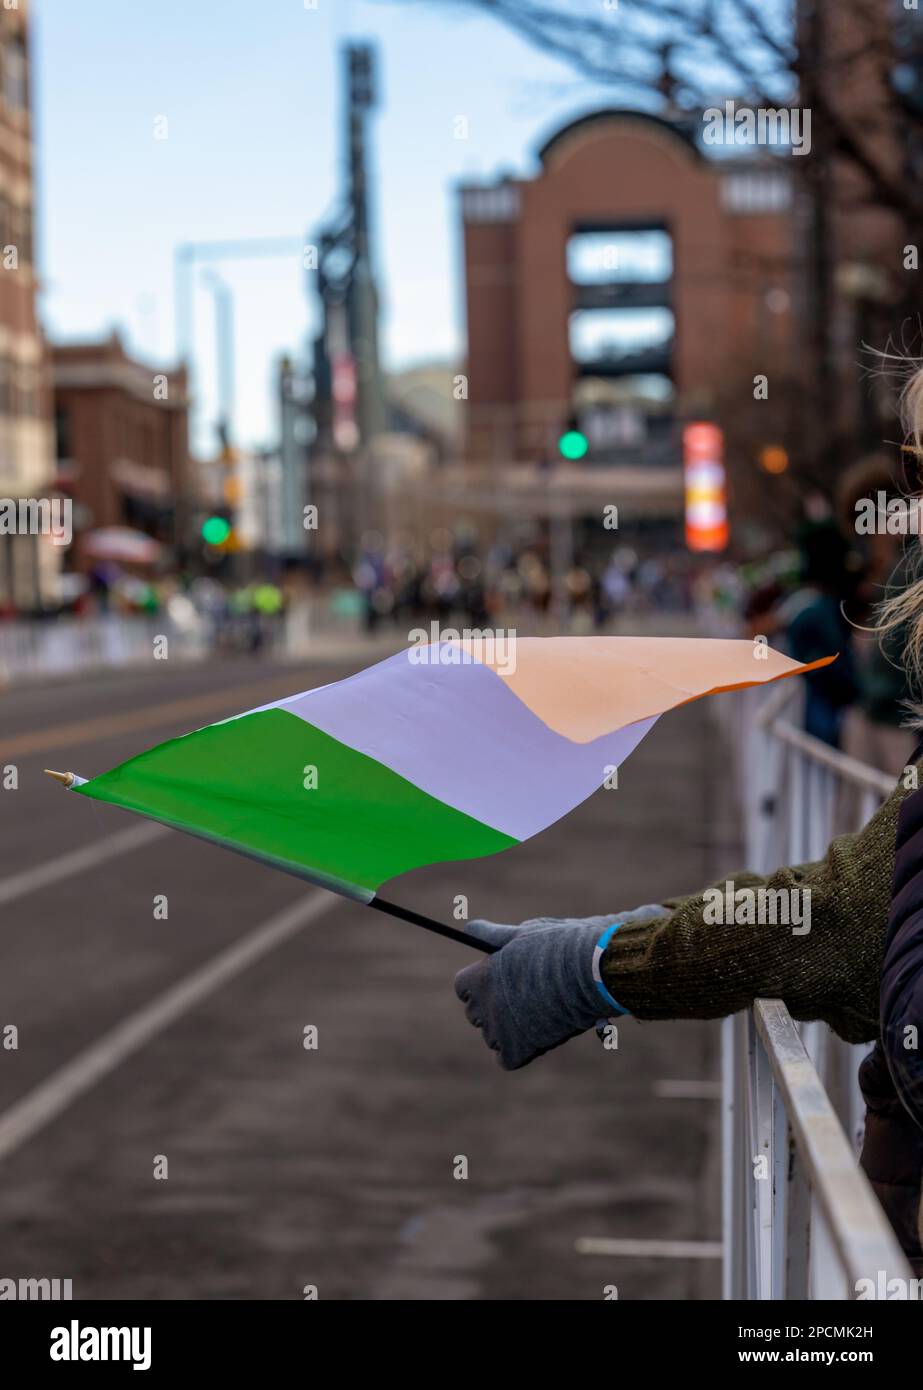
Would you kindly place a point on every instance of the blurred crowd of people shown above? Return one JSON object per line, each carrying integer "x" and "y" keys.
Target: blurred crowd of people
{"x": 483, "y": 585}
{"x": 231, "y": 617}
{"x": 818, "y": 598}
{"x": 813, "y": 598}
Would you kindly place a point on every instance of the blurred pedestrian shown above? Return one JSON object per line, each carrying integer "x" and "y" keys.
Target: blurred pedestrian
{"x": 874, "y": 728}
{"x": 816, "y": 625}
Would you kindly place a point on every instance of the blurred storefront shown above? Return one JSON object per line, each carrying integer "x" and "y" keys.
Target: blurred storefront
{"x": 122, "y": 442}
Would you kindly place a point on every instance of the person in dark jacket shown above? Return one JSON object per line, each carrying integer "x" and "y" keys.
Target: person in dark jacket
{"x": 874, "y": 729}
{"x": 891, "y": 1077}
{"x": 818, "y": 624}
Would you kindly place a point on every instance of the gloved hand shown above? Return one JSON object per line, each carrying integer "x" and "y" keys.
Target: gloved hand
{"x": 543, "y": 985}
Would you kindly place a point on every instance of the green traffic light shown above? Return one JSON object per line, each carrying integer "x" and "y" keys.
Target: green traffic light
{"x": 573, "y": 445}
{"x": 215, "y": 530}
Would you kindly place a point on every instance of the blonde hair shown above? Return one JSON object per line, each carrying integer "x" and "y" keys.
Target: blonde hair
{"x": 905, "y": 610}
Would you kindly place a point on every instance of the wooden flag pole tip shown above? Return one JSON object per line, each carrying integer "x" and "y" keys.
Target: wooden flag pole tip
{"x": 67, "y": 779}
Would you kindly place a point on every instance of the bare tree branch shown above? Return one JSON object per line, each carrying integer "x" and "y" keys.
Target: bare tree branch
{"x": 649, "y": 48}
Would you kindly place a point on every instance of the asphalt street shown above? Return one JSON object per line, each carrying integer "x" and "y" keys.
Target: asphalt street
{"x": 164, "y": 1131}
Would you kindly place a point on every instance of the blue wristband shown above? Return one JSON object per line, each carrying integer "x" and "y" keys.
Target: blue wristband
{"x": 598, "y": 951}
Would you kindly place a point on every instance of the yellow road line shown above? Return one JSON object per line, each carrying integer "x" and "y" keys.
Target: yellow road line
{"x": 104, "y": 726}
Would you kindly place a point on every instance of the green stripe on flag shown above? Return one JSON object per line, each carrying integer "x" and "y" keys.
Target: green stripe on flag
{"x": 241, "y": 783}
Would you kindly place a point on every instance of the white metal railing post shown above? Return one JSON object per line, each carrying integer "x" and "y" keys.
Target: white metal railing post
{"x": 850, "y": 1236}
{"x": 781, "y": 1196}
{"x": 731, "y": 1260}
{"x": 811, "y": 1226}
{"x": 797, "y": 1223}
{"x": 761, "y": 1161}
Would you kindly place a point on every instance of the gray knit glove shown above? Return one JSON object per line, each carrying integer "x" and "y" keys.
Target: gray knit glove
{"x": 542, "y": 986}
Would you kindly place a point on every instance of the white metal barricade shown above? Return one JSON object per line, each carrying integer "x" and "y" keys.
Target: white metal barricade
{"x": 800, "y": 1219}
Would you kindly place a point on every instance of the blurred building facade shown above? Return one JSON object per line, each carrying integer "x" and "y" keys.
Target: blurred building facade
{"x": 122, "y": 440}
{"x": 859, "y": 217}
{"x": 28, "y": 563}
{"x": 620, "y": 292}
{"x": 425, "y": 401}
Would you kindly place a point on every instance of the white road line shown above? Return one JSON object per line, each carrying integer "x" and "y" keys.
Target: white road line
{"x": 645, "y": 1249}
{"x": 47, "y": 1100}
{"x": 88, "y": 857}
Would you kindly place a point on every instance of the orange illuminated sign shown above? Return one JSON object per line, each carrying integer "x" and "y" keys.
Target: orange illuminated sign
{"x": 705, "y": 487}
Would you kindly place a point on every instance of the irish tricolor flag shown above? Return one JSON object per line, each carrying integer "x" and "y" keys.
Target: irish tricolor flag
{"x": 446, "y": 751}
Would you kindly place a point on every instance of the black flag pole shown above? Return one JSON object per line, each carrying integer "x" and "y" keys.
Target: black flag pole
{"x": 406, "y": 914}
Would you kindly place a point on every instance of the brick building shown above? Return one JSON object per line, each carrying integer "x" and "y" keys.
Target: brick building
{"x": 28, "y": 563}
{"x": 624, "y": 289}
{"x": 861, "y": 290}
{"x": 122, "y": 443}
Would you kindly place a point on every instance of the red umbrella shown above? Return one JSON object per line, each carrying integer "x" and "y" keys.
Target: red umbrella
{"x": 122, "y": 543}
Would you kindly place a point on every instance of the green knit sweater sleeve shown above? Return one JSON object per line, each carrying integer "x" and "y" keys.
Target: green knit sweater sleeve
{"x": 689, "y": 965}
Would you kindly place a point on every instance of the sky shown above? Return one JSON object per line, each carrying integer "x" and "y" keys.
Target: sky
{"x": 248, "y": 96}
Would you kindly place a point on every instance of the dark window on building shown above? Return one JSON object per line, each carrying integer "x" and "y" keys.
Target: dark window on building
{"x": 626, "y": 419}
{"x": 62, "y": 430}
{"x": 619, "y": 256}
{"x": 622, "y": 340}
{"x": 22, "y": 235}
{"x": 14, "y": 74}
